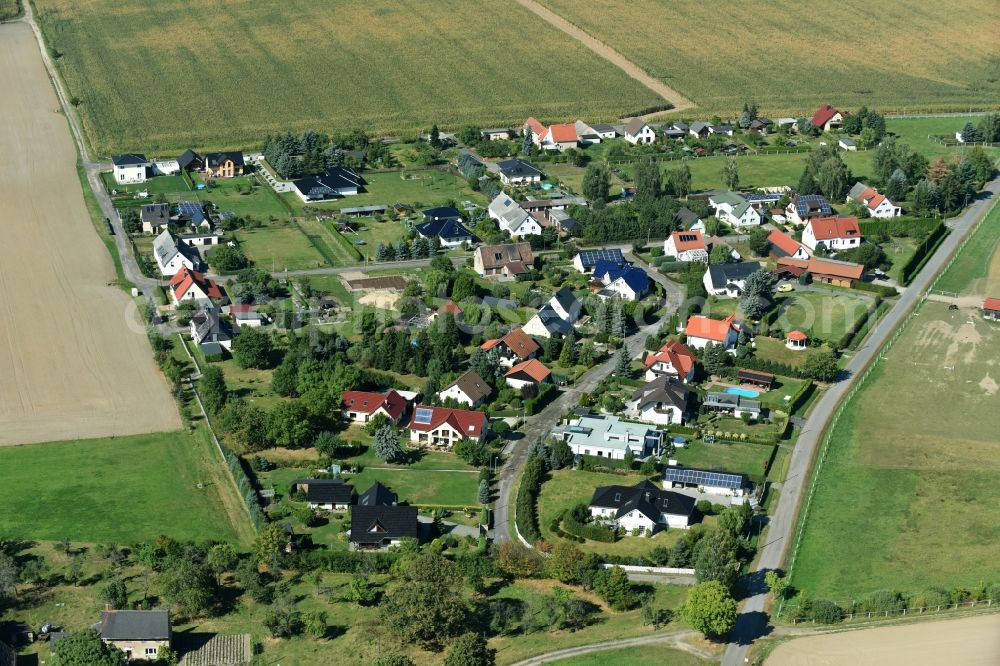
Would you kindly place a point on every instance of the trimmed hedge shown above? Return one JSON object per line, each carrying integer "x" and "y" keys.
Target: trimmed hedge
{"x": 801, "y": 396}
{"x": 574, "y": 526}
{"x": 247, "y": 487}
{"x": 861, "y": 322}
{"x": 885, "y": 291}
{"x": 754, "y": 363}
{"x": 897, "y": 227}
{"x": 526, "y": 516}
{"x": 346, "y": 244}
{"x": 923, "y": 253}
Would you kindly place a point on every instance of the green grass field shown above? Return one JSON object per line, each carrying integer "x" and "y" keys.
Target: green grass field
{"x": 976, "y": 270}
{"x": 821, "y": 315}
{"x": 173, "y": 75}
{"x": 775, "y": 350}
{"x": 721, "y": 56}
{"x": 729, "y": 457}
{"x": 907, "y": 497}
{"x": 650, "y": 655}
{"x": 9, "y": 9}
{"x": 280, "y": 247}
{"x": 420, "y": 188}
{"x": 121, "y": 490}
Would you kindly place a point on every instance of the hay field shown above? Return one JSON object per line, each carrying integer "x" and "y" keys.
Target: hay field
{"x": 71, "y": 366}
{"x": 893, "y": 55}
{"x": 907, "y": 497}
{"x": 166, "y": 75}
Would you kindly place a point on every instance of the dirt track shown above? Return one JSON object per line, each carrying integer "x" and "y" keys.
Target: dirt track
{"x": 969, "y": 641}
{"x": 70, "y": 365}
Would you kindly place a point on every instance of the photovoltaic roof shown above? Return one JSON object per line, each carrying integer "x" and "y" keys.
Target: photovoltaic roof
{"x": 423, "y": 416}
{"x": 702, "y": 477}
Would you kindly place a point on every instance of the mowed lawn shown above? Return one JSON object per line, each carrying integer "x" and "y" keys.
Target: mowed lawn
{"x": 646, "y": 655}
{"x": 824, "y": 316}
{"x": 976, "y": 270}
{"x": 741, "y": 457}
{"x": 279, "y": 247}
{"x": 908, "y": 496}
{"x": 719, "y": 56}
{"x": 213, "y": 74}
{"x": 122, "y": 490}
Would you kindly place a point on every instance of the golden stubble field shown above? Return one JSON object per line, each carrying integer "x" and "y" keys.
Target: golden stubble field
{"x": 70, "y": 365}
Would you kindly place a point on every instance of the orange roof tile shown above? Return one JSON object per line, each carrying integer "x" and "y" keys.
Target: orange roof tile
{"x": 676, "y": 354}
{"x": 991, "y": 304}
{"x": 533, "y": 368}
{"x": 521, "y": 343}
{"x": 826, "y": 228}
{"x": 709, "y": 329}
{"x": 185, "y": 278}
{"x": 783, "y": 242}
{"x": 797, "y": 336}
{"x": 469, "y": 423}
{"x": 368, "y": 402}
{"x": 685, "y": 241}
{"x": 563, "y": 133}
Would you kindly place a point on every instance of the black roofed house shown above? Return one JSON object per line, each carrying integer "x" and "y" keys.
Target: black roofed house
{"x": 336, "y": 182}
{"x": 380, "y": 527}
{"x": 641, "y": 509}
{"x": 445, "y": 224}
{"x": 660, "y": 401}
{"x": 139, "y": 634}
{"x": 328, "y": 494}
{"x": 698, "y": 129}
{"x": 377, "y": 495}
{"x": 469, "y": 389}
{"x": 517, "y": 172}
{"x": 728, "y": 279}
{"x": 191, "y": 161}
{"x": 155, "y": 217}
{"x": 586, "y": 261}
{"x": 734, "y": 404}
{"x": 130, "y": 168}
{"x": 211, "y": 334}
{"x": 224, "y": 165}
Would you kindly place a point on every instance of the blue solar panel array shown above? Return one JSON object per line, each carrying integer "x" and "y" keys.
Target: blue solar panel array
{"x": 423, "y": 416}
{"x": 702, "y": 477}
{"x": 591, "y": 257}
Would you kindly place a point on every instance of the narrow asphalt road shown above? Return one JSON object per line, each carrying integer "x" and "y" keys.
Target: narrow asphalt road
{"x": 753, "y": 622}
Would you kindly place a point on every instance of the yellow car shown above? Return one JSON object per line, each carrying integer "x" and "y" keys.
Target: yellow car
{"x": 785, "y": 288}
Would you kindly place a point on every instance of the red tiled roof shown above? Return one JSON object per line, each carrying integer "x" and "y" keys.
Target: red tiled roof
{"x": 367, "y": 402}
{"x": 533, "y": 368}
{"x": 240, "y": 307}
{"x": 826, "y": 228}
{"x": 685, "y": 241}
{"x": 490, "y": 344}
{"x": 450, "y": 308}
{"x": 991, "y": 304}
{"x": 186, "y": 278}
{"x": 823, "y": 115}
{"x": 468, "y": 423}
{"x": 521, "y": 343}
{"x": 872, "y": 198}
{"x": 709, "y": 329}
{"x": 536, "y": 127}
{"x": 676, "y": 354}
{"x": 797, "y": 336}
{"x": 840, "y": 269}
{"x": 783, "y": 242}
{"x": 563, "y": 133}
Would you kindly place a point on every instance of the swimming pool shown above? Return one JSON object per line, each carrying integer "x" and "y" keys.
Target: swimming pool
{"x": 742, "y": 392}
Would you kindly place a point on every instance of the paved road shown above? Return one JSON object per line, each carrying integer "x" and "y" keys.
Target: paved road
{"x": 752, "y": 622}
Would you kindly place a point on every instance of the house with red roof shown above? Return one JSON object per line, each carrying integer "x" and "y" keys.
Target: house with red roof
{"x": 827, "y": 118}
{"x": 833, "y": 233}
{"x": 672, "y": 360}
{"x": 531, "y": 372}
{"x": 190, "y": 285}
{"x": 513, "y": 348}
{"x": 559, "y": 136}
{"x": 991, "y": 309}
{"x": 448, "y": 308}
{"x": 826, "y": 271}
{"x": 783, "y": 245}
{"x": 445, "y": 426}
{"x": 877, "y": 205}
{"x": 686, "y": 246}
{"x": 703, "y": 331}
{"x": 362, "y": 406}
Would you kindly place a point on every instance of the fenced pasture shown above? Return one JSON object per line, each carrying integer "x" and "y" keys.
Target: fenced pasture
{"x": 906, "y": 497}
{"x": 791, "y": 62}
{"x": 976, "y": 269}
{"x": 218, "y": 75}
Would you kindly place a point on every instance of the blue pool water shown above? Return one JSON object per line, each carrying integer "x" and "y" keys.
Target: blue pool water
{"x": 746, "y": 393}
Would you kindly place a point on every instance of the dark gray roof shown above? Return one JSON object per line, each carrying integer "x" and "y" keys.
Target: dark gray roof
{"x": 518, "y": 168}
{"x": 494, "y": 302}
{"x": 374, "y": 525}
{"x": 602, "y": 128}
{"x": 153, "y": 625}
{"x": 189, "y": 158}
{"x": 443, "y": 213}
{"x": 723, "y": 273}
{"x": 215, "y": 159}
{"x": 377, "y": 495}
{"x": 686, "y": 217}
{"x": 129, "y": 159}
{"x": 662, "y": 390}
{"x": 589, "y": 258}
{"x": 644, "y": 496}
{"x": 567, "y": 301}
{"x": 731, "y": 401}
{"x": 811, "y": 205}
{"x": 447, "y": 229}
{"x": 472, "y": 385}
{"x": 155, "y": 213}
{"x": 326, "y": 491}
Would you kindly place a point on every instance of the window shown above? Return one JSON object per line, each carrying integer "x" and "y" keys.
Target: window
{"x": 618, "y": 497}
{"x": 151, "y": 652}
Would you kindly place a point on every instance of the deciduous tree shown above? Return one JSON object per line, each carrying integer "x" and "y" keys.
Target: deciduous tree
{"x": 710, "y": 609}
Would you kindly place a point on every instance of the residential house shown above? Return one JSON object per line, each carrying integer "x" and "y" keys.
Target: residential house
{"x": 445, "y": 224}
{"x": 629, "y": 283}
{"x": 605, "y": 131}
{"x": 382, "y": 527}
{"x": 512, "y": 218}
{"x": 586, "y": 260}
{"x": 138, "y": 633}
{"x": 778, "y": 215}
{"x": 244, "y": 316}
{"x": 991, "y": 309}
{"x": 637, "y": 132}
{"x": 833, "y": 233}
{"x": 508, "y": 260}
{"x": 734, "y": 210}
{"x": 672, "y": 360}
{"x": 189, "y": 285}
{"x": 762, "y": 200}
{"x": 783, "y": 245}
{"x": 674, "y": 134}
{"x": 724, "y": 130}
{"x": 496, "y": 134}
{"x": 686, "y": 246}
{"x": 377, "y": 495}
{"x": 591, "y": 134}
{"x": 687, "y": 220}
{"x": 513, "y": 348}
{"x": 224, "y": 165}
{"x": 326, "y": 494}
{"x": 825, "y": 271}
{"x": 877, "y": 205}
{"x": 469, "y": 389}
{"x": 191, "y": 214}
{"x": 528, "y": 373}
{"x": 211, "y": 334}
{"x": 660, "y": 401}
{"x": 564, "y": 222}
{"x": 518, "y": 172}
{"x": 846, "y": 143}
{"x": 362, "y": 406}
{"x": 172, "y": 254}
{"x": 699, "y": 129}
{"x": 190, "y": 161}
{"x": 444, "y": 426}
{"x": 336, "y": 182}
{"x": 557, "y": 316}
{"x": 681, "y": 126}
{"x": 610, "y": 437}
{"x": 559, "y": 137}
{"x": 155, "y": 217}
{"x": 703, "y": 331}
{"x": 804, "y": 207}
{"x": 791, "y": 124}
{"x": 641, "y": 509}
{"x": 130, "y": 168}
{"x": 760, "y": 126}
{"x": 731, "y": 403}
{"x": 728, "y": 280}
{"x": 827, "y": 118}
{"x": 711, "y": 482}
{"x": 449, "y": 307}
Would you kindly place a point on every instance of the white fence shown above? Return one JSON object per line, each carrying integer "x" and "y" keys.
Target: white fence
{"x": 655, "y": 571}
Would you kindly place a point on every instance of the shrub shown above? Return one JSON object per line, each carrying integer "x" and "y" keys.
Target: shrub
{"x": 882, "y": 601}
{"x": 575, "y": 522}
{"x": 825, "y": 612}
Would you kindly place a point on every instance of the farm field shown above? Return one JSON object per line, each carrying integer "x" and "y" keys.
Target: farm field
{"x": 80, "y": 366}
{"x": 680, "y": 43}
{"x": 121, "y": 490}
{"x": 897, "y": 466}
{"x": 164, "y": 77}
{"x": 649, "y": 655}
{"x": 976, "y": 271}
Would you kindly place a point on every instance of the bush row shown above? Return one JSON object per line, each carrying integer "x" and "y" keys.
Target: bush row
{"x": 860, "y": 323}
{"x": 801, "y": 396}
{"x": 883, "y": 290}
{"x": 248, "y": 489}
{"x": 896, "y": 227}
{"x": 573, "y": 524}
{"x": 889, "y": 602}
{"x": 526, "y": 517}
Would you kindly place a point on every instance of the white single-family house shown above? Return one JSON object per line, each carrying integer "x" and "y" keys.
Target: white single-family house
{"x": 702, "y": 331}
{"x": 877, "y": 205}
{"x": 637, "y": 132}
{"x": 728, "y": 280}
{"x": 512, "y": 218}
{"x": 469, "y": 389}
{"x": 610, "y": 437}
{"x": 661, "y": 401}
{"x": 686, "y": 246}
{"x": 130, "y": 168}
{"x": 834, "y": 233}
{"x": 641, "y": 509}
{"x": 734, "y": 210}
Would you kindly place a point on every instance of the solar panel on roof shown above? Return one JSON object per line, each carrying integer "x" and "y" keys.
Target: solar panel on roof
{"x": 686, "y": 238}
{"x": 703, "y": 478}
{"x": 423, "y": 416}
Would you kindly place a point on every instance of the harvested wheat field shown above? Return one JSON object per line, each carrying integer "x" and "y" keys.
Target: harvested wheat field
{"x": 971, "y": 641}
{"x": 71, "y": 366}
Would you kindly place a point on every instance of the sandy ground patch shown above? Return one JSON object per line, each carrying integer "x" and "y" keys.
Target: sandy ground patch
{"x": 971, "y": 641}
{"x": 70, "y": 365}
{"x": 384, "y": 299}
